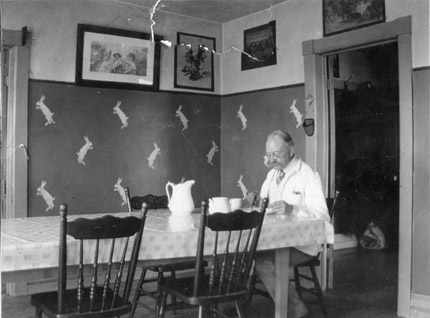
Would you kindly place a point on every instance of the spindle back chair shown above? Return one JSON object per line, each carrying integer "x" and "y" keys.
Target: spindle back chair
{"x": 235, "y": 238}
{"x": 142, "y": 289}
{"x": 114, "y": 243}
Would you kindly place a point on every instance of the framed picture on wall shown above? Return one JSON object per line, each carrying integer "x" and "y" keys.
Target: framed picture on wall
{"x": 194, "y": 62}
{"x": 345, "y": 15}
{"x": 115, "y": 58}
{"x": 259, "y": 46}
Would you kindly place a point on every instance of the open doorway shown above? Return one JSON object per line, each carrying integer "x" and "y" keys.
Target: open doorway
{"x": 318, "y": 146}
{"x": 365, "y": 102}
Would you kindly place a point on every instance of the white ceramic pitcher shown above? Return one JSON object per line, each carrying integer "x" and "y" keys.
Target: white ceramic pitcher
{"x": 181, "y": 200}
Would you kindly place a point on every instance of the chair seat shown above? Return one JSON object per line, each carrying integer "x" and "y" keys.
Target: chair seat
{"x": 48, "y": 302}
{"x": 179, "y": 266}
{"x": 314, "y": 261}
{"x": 183, "y": 288}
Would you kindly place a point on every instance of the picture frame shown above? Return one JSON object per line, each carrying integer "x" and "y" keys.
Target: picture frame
{"x": 259, "y": 46}
{"x": 346, "y": 15}
{"x": 115, "y": 58}
{"x": 194, "y": 62}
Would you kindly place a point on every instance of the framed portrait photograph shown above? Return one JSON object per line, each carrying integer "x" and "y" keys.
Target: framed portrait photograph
{"x": 115, "y": 58}
{"x": 345, "y": 15}
{"x": 194, "y": 62}
{"x": 259, "y": 46}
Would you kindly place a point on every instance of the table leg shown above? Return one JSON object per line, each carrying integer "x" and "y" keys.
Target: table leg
{"x": 324, "y": 268}
{"x": 282, "y": 282}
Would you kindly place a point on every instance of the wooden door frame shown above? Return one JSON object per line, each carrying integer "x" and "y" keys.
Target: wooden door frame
{"x": 17, "y": 124}
{"x": 317, "y": 146}
{"x": 16, "y": 156}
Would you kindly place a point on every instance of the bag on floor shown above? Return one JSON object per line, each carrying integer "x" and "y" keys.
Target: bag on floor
{"x": 373, "y": 238}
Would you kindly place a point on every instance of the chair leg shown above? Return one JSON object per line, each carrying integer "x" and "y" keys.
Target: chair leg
{"x": 252, "y": 287}
{"x": 38, "y": 313}
{"x": 173, "y": 276}
{"x": 161, "y": 304}
{"x": 297, "y": 281}
{"x": 201, "y": 312}
{"x": 239, "y": 310}
{"x": 318, "y": 290}
{"x": 138, "y": 293}
{"x": 160, "y": 280}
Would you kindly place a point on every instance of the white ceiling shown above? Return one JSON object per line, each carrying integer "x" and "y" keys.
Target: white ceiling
{"x": 220, "y": 11}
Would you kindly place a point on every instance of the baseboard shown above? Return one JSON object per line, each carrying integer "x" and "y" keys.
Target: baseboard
{"x": 420, "y": 306}
{"x": 342, "y": 241}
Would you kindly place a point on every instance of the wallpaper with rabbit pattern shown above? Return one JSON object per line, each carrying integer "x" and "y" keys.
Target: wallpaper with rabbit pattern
{"x": 103, "y": 140}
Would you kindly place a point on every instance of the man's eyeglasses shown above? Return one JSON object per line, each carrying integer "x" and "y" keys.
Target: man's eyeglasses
{"x": 275, "y": 155}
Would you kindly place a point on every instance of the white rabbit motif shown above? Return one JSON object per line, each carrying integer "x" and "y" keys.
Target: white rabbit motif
{"x": 45, "y": 110}
{"x": 211, "y": 152}
{"x": 182, "y": 117}
{"x": 242, "y": 117}
{"x": 121, "y": 115}
{"x": 295, "y": 111}
{"x": 46, "y": 195}
{"x": 118, "y": 187}
{"x": 83, "y": 151}
{"x": 153, "y": 156}
{"x": 242, "y": 187}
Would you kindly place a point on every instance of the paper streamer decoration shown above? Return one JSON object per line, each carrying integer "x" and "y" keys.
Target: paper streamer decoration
{"x": 121, "y": 115}
{"x": 242, "y": 117}
{"x": 182, "y": 117}
{"x": 45, "y": 195}
{"x": 211, "y": 152}
{"x": 118, "y": 188}
{"x": 242, "y": 187}
{"x": 153, "y": 156}
{"x": 83, "y": 151}
{"x": 45, "y": 110}
{"x": 295, "y": 111}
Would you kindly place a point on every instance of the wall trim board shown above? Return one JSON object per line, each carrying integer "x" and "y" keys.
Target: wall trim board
{"x": 420, "y": 306}
{"x": 423, "y": 68}
{"x": 158, "y": 91}
{"x": 186, "y": 93}
{"x": 343, "y": 241}
{"x": 50, "y": 81}
{"x": 264, "y": 89}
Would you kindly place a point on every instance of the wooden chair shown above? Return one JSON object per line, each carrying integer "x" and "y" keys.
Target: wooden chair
{"x": 110, "y": 298}
{"x": 235, "y": 237}
{"x": 312, "y": 264}
{"x": 153, "y": 202}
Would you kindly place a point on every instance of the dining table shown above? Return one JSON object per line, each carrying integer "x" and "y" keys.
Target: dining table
{"x": 30, "y": 245}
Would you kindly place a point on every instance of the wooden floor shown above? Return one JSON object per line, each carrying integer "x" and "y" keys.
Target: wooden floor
{"x": 365, "y": 286}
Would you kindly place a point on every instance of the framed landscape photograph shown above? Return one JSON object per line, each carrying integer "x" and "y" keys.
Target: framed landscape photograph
{"x": 194, "y": 62}
{"x": 115, "y": 58}
{"x": 259, "y": 46}
{"x": 344, "y": 15}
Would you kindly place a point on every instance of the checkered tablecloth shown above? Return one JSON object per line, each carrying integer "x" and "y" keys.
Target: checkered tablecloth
{"x": 32, "y": 243}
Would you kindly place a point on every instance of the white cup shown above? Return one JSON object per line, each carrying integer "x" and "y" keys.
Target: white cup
{"x": 235, "y": 203}
{"x": 219, "y": 204}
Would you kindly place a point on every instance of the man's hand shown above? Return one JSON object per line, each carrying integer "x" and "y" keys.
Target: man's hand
{"x": 280, "y": 207}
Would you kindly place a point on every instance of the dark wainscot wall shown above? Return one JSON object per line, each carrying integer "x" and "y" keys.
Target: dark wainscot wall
{"x": 126, "y": 153}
